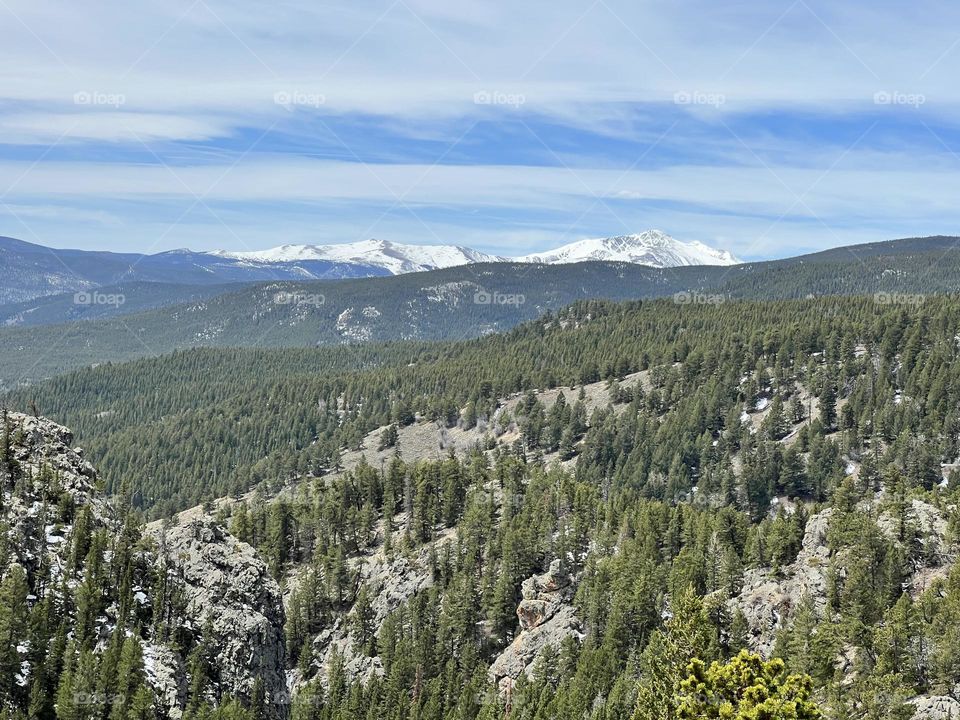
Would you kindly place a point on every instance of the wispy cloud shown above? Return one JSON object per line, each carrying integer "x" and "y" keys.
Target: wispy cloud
{"x": 490, "y": 122}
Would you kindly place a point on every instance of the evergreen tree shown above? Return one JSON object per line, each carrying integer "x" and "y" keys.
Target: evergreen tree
{"x": 744, "y": 689}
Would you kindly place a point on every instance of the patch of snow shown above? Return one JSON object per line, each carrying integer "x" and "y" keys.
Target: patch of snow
{"x": 652, "y": 248}
{"x": 394, "y": 257}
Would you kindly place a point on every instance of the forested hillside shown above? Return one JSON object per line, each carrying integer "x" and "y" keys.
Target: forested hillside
{"x": 450, "y": 304}
{"x": 573, "y": 519}
{"x": 204, "y": 423}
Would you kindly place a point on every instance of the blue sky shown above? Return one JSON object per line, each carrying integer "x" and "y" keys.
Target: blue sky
{"x": 764, "y": 128}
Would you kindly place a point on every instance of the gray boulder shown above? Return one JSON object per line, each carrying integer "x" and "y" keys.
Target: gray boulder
{"x": 935, "y": 707}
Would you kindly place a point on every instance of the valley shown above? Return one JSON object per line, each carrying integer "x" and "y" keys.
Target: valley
{"x": 522, "y": 520}
{"x": 43, "y": 338}
{"x": 415, "y": 360}
{"x": 539, "y": 499}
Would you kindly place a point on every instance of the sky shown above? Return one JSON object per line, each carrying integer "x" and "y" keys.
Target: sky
{"x": 764, "y": 128}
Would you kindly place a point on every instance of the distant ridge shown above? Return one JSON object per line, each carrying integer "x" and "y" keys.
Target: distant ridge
{"x": 652, "y": 248}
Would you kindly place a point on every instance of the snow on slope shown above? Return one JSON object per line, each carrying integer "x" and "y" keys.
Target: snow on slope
{"x": 394, "y": 257}
{"x": 653, "y": 248}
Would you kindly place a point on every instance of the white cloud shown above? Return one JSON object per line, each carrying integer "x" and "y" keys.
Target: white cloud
{"x": 740, "y": 207}
{"x": 755, "y": 189}
{"x": 45, "y": 128}
{"x": 204, "y": 71}
{"x": 423, "y": 58}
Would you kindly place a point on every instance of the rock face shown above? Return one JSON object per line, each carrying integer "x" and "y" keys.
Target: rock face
{"x": 390, "y": 583}
{"x": 929, "y": 521}
{"x": 935, "y": 707}
{"x": 229, "y": 593}
{"x": 546, "y": 618}
{"x": 167, "y": 674}
{"x": 41, "y": 457}
{"x": 38, "y": 443}
{"x": 226, "y": 588}
{"x": 767, "y": 601}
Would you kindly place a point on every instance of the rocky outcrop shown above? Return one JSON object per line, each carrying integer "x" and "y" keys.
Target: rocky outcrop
{"x": 767, "y": 600}
{"x": 167, "y": 674}
{"x": 230, "y": 596}
{"x": 389, "y": 584}
{"x": 42, "y": 489}
{"x": 40, "y": 444}
{"x": 928, "y": 521}
{"x": 546, "y": 619}
{"x": 543, "y": 595}
{"x": 935, "y": 707}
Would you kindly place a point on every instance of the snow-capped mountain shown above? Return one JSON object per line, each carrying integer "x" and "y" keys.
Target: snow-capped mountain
{"x": 393, "y": 257}
{"x": 653, "y": 248}
{"x": 32, "y": 271}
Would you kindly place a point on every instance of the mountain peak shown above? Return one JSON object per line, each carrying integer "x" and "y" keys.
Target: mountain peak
{"x": 653, "y": 248}
{"x": 394, "y": 257}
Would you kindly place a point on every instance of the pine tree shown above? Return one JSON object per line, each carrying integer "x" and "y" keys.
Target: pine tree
{"x": 275, "y": 547}
{"x": 898, "y": 642}
{"x": 687, "y": 635}
{"x": 362, "y": 624}
{"x": 828, "y": 402}
{"x": 746, "y": 688}
{"x": 131, "y": 680}
{"x": 13, "y": 629}
{"x": 388, "y": 438}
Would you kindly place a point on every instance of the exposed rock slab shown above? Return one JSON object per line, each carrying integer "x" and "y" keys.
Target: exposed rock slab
{"x": 230, "y": 593}
{"x": 389, "y": 583}
{"x": 41, "y": 443}
{"x": 546, "y": 619}
{"x": 767, "y": 601}
{"x": 935, "y": 707}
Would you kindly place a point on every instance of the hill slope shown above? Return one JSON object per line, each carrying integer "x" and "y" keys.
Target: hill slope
{"x": 460, "y": 302}
{"x": 546, "y": 517}
{"x": 32, "y": 271}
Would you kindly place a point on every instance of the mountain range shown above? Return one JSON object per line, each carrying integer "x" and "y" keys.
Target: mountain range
{"x": 42, "y": 337}
{"x": 652, "y": 248}
{"x": 34, "y": 271}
